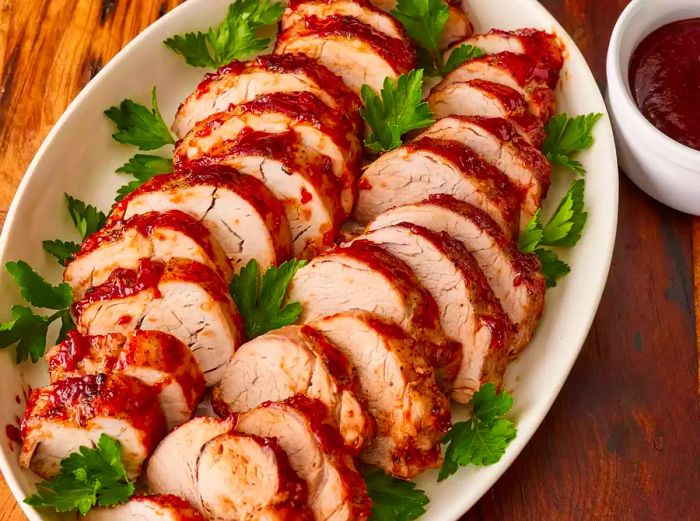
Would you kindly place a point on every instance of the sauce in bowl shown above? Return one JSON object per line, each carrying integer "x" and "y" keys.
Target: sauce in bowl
{"x": 664, "y": 76}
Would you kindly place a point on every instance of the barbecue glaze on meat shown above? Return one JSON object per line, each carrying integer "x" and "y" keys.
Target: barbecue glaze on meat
{"x": 157, "y": 359}
{"x": 152, "y": 235}
{"x": 147, "y": 508}
{"x": 399, "y": 386}
{"x": 75, "y": 412}
{"x": 295, "y": 360}
{"x": 183, "y": 298}
{"x": 241, "y": 214}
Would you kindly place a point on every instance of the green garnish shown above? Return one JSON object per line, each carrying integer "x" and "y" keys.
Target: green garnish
{"x": 143, "y": 167}
{"x": 566, "y": 136}
{"x": 138, "y": 125}
{"x": 393, "y": 499}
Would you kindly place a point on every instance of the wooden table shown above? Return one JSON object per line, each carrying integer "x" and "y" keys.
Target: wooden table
{"x": 623, "y": 439}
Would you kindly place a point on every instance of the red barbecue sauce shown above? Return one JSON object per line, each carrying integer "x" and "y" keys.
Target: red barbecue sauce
{"x": 664, "y": 76}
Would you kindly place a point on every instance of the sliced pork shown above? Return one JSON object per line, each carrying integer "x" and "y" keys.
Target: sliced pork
{"x": 153, "y": 235}
{"x": 227, "y": 475}
{"x": 75, "y": 412}
{"x": 239, "y": 82}
{"x": 147, "y": 508}
{"x": 182, "y": 298}
{"x": 469, "y": 312}
{"x": 542, "y": 46}
{"x": 457, "y": 26}
{"x": 317, "y": 126}
{"x": 497, "y": 142}
{"x": 364, "y": 276}
{"x": 399, "y": 386}
{"x": 300, "y": 178}
{"x": 241, "y": 214}
{"x": 157, "y": 359}
{"x": 517, "y": 71}
{"x": 514, "y": 277}
{"x": 295, "y": 360}
{"x": 355, "y": 51}
{"x": 316, "y": 453}
{"x": 485, "y": 98}
{"x": 430, "y": 166}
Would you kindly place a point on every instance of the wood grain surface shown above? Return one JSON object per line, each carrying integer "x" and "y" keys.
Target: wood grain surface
{"x": 622, "y": 440}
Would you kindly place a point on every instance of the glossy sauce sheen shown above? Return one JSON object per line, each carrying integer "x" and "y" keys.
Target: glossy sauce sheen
{"x": 664, "y": 76}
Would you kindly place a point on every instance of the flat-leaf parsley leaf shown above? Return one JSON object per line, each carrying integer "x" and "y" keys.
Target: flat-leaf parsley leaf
{"x": 565, "y": 136}
{"x": 393, "y": 499}
{"x": 138, "y": 125}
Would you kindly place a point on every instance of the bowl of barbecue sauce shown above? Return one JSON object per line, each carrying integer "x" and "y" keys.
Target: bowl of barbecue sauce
{"x": 653, "y": 95}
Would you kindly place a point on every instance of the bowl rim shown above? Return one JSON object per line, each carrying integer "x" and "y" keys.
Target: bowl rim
{"x": 620, "y": 90}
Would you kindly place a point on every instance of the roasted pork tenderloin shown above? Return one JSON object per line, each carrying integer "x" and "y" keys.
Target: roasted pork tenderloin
{"x": 182, "y": 298}
{"x": 317, "y": 127}
{"x": 513, "y": 276}
{"x": 241, "y": 214}
{"x": 228, "y": 475}
{"x": 429, "y": 166}
{"x": 399, "y": 386}
{"x": 152, "y": 235}
{"x": 364, "y": 276}
{"x": 147, "y": 508}
{"x": 296, "y": 360}
{"x": 469, "y": 311}
{"x": 540, "y": 45}
{"x": 497, "y": 142}
{"x": 355, "y": 51}
{"x": 487, "y": 99}
{"x": 517, "y": 71}
{"x": 239, "y": 82}
{"x": 316, "y": 453}
{"x": 157, "y": 359}
{"x": 75, "y": 412}
{"x": 299, "y": 177}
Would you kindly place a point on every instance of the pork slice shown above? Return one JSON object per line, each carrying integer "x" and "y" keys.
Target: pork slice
{"x": 295, "y": 360}
{"x": 517, "y": 71}
{"x": 362, "y": 10}
{"x": 173, "y": 467}
{"x": 75, "y": 412}
{"x": 356, "y": 52}
{"x": 157, "y": 359}
{"x": 457, "y": 25}
{"x": 469, "y": 312}
{"x": 364, "y": 276}
{"x": 485, "y": 98}
{"x": 147, "y": 508}
{"x": 239, "y": 82}
{"x": 244, "y": 477}
{"x": 182, "y": 298}
{"x": 153, "y": 235}
{"x": 241, "y": 214}
{"x": 316, "y": 453}
{"x": 299, "y": 177}
{"x": 430, "y": 166}
{"x": 513, "y": 276}
{"x": 497, "y": 142}
{"x": 399, "y": 386}
{"x": 317, "y": 127}
{"x": 540, "y": 45}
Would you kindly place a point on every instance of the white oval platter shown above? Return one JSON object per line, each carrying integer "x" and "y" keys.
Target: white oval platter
{"x": 79, "y": 157}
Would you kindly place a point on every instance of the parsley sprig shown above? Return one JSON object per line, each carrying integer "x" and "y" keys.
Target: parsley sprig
{"x": 393, "y": 499}
{"x": 481, "y": 440}
{"x": 567, "y": 136}
{"x": 563, "y": 229}
{"x": 27, "y": 329}
{"x": 398, "y": 110}
{"x": 87, "y": 220}
{"x": 236, "y": 37}
{"x": 259, "y": 299}
{"x": 424, "y": 21}
{"x": 89, "y": 477}
{"x": 138, "y": 125}
{"x": 142, "y": 167}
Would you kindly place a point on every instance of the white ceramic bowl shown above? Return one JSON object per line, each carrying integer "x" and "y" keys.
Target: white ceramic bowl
{"x": 664, "y": 168}
{"x": 79, "y": 157}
